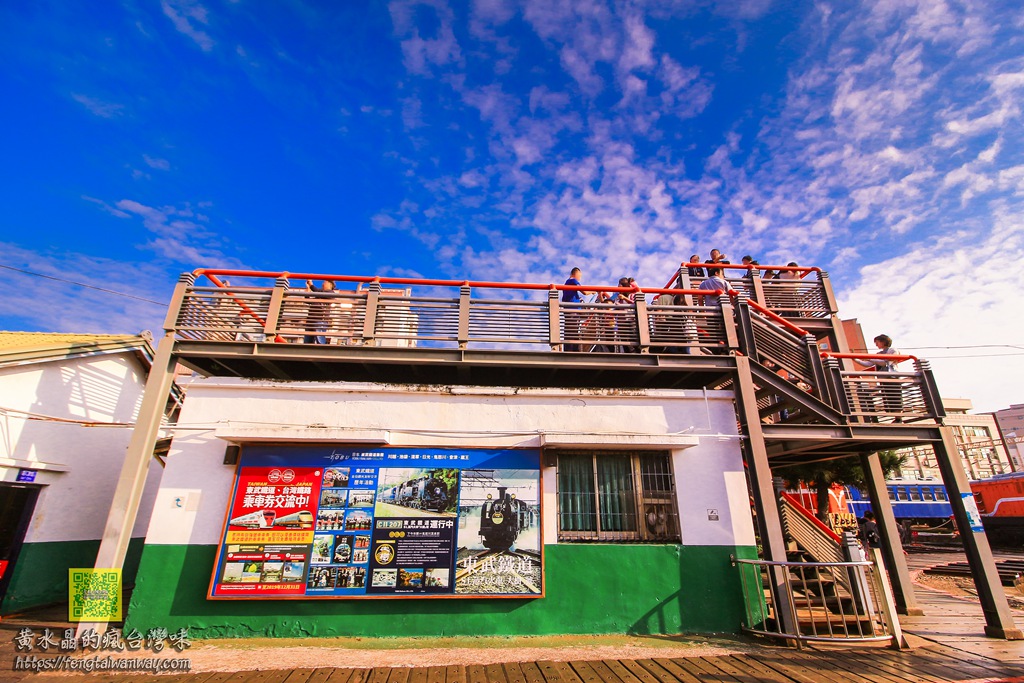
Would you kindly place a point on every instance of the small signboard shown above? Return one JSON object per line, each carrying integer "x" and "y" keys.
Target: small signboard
{"x": 973, "y": 516}
{"x": 26, "y": 476}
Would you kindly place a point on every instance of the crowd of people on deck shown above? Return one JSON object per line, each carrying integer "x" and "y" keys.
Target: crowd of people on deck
{"x": 707, "y": 276}
{"x": 710, "y": 272}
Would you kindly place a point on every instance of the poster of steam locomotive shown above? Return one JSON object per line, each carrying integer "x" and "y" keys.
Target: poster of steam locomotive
{"x": 499, "y": 533}
{"x": 326, "y": 522}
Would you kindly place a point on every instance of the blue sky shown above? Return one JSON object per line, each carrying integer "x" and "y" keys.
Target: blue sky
{"x": 502, "y": 140}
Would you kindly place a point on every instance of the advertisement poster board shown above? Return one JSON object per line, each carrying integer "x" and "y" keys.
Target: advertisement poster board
{"x": 325, "y": 522}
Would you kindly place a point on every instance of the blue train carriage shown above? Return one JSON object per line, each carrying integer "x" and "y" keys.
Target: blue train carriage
{"x": 921, "y": 502}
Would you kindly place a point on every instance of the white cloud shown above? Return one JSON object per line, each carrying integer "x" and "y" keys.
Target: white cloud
{"x": 421, "y": 54}
{"x": 187, "y": 17}
{"x": 935, "y": 295}
{"x": 40, "y": 304}
{"x": 157, "y": 163}
{"x": 107, "y": 110}
{"x": 182, "y": 235}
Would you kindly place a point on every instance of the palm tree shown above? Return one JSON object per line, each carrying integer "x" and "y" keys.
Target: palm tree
{"x": 846, "y": 471}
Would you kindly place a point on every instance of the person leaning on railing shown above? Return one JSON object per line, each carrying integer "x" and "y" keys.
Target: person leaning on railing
{"x": 316, "y": 319}
{"x": 714, "y": 281}
{"x": 575, "y": 318}
{"x": 892, "y": 394}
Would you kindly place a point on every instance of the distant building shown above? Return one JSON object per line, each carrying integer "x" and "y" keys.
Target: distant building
{"x": 977, "y": 437}
{"x": 69, "y": 402}
{"x": 1011, "y": 426}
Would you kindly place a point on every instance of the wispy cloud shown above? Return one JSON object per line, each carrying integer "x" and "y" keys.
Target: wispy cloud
{"x": 38, "y": 304}
{"x": 107, "y": 110}
{"x": 182, "y": 234}
{"x": 188, "y": 16}
{"x": 157, "y": 163}
{"x": 937, "y": 295}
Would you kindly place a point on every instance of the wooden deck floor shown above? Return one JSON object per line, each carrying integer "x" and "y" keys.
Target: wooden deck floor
{"x": 949, "y": 646}
{"x": 937, "y": 664}
{"x": 958, "y": 623}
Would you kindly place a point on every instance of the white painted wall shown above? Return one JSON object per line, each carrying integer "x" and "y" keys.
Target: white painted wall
{"x": 76, "y": 465}
{"x": 196, "y": 486}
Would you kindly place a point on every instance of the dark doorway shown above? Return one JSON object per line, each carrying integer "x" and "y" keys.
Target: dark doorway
{"x": 16, "y": 506}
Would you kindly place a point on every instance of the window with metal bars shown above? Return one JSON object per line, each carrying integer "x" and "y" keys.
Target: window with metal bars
{"x": 614, "y": 496}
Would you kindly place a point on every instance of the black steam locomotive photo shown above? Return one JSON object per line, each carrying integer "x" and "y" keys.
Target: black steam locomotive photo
{"x": 427, "y": 492}
{"x": 503, "y": 519}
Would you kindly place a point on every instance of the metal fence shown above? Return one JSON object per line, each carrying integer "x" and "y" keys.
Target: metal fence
{"x": 874, "y": 396}
{"x": 533, "y": 317}
{"x": 835, "y": 602}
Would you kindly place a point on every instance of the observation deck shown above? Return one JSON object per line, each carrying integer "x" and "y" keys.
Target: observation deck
{"x": 780, "y": 338}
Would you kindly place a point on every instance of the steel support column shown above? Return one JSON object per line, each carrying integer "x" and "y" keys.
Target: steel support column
{"x": 892, "y": 550}
{"x": 769, "y": 521}
{"x": 128, "y": 493}
{"x": 998, "y": 621}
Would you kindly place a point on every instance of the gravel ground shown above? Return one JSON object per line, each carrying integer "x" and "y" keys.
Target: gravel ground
{"x": 236, "y": 655}
{"x": 254, "y": 654}
{"x": 963, "y": 587}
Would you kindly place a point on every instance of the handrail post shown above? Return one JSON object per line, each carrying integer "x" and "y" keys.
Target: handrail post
{"x": 185, "y": 283}
{"x": 554, "y": 321}
{"x": 830, "y": 296}
{"x": 684, "y": 283}
{"x": 274, "y": 310}
{"x": 817, "y": 368}
{"x": 642, "y": 322}
{"x": 745, "y": 327}
{"x": 370, "y": 319}
{"x": 930, "y": 391}
{"x": 834, "y": 382}
{"x": 756, "y": 287}
{"x": 464, "y": 301}
{"x": 888, "y": 601}
{"x": 729, "y": 321}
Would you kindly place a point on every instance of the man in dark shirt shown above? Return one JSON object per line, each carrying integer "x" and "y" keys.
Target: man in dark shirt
{"x": 573, "y": 318}
{"x": 869, "y": 531}
{"x": 694, "y": 270}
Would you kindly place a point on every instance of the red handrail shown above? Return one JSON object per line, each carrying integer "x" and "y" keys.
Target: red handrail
{"x": 215, "y": 280}
{"x": 777, "y": 318}
{"x": 892, "y": 358}
{"x": 803, "y": 270}
{"x": 811, "y": 516}
{"x": 212, "y": 273}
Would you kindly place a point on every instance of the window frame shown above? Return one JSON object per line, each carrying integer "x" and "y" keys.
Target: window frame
{"x": 647, "y": 493}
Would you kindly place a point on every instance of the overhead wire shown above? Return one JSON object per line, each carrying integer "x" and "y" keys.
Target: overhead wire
{"x": 83, "y": 284}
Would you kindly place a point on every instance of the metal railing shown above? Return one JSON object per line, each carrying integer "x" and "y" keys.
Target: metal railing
{"x": 695, "y": 322}
{"x": 883, "y": 396}
{"x": 533, "y": 317}
{"x": 834, "y": 602}
{"x": 791, "y": 291}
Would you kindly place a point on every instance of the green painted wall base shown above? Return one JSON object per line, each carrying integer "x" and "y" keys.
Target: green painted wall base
{"x": 640, "y": 589}
{"x": 41, "y": 571}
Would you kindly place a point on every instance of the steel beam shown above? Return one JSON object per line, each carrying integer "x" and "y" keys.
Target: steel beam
{"x": 892, "y": 549}
{"x": 998, "y": 621}
{"x": 124, "y": 507}
{"x": 769, "y": 520}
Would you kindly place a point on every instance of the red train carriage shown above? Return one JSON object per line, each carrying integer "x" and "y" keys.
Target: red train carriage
{"x": 1001, "y": 504}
